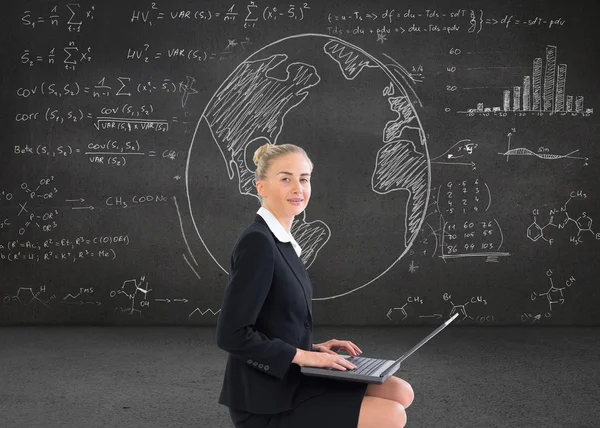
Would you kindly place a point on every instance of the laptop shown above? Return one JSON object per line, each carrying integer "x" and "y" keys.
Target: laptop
{"x": 370, "y": 370}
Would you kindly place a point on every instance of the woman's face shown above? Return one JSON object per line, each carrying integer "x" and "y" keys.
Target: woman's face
{"x": 286, "y": 190}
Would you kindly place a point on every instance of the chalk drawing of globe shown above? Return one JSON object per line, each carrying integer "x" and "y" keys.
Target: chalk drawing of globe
{"x": 356, "y": 120}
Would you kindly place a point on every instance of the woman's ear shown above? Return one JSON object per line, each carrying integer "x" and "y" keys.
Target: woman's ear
{"x": 260, "y": 187}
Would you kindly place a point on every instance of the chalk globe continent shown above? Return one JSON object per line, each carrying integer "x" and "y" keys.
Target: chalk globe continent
{"x": 359, "y": 125}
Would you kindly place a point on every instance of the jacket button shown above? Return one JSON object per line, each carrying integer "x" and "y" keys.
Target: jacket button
{"x": 266, "y": 367}
{"x": 249, "y": 361}
{"x": 306, "y": 324}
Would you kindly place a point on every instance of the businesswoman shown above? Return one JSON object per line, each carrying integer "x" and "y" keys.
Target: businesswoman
{"x": 265, "y": 323}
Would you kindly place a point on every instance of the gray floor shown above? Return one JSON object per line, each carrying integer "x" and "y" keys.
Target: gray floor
{"x": 468, "y": 377}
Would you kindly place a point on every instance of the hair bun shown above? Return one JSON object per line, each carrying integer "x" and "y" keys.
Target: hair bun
{"x": 260, "y": 152}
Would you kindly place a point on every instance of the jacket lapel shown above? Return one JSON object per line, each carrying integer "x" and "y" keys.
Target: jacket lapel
{"x": 295, "y": 264}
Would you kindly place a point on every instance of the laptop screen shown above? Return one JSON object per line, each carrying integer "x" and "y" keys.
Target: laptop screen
{"x": 422, "y": 342}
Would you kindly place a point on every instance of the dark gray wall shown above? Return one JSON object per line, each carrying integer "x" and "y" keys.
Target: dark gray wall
{"x": 455, "y": 148}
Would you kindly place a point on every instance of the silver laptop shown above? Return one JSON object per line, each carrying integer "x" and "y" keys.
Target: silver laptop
{"x": 370, "y": 370}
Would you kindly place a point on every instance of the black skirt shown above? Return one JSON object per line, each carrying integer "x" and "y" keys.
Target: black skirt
{"x": 318, "y": 403}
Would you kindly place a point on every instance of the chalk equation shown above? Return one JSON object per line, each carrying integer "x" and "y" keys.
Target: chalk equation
{"x": 57, "y": 250}
{"x": 458, "y": 154}
{"x": 136, "y": 119}
{"x": 248, "y": 15}
{"x": 426, "y": 21}
{"x": 71, "y": 55}
{"x": 121, "y": 86}
{"x": 139, "y": 119}
{"x": 71, "y": 14}
{"x": 109, "y": 152}
{"x": 232, "y": 51}
{"x": 135, "y": 201}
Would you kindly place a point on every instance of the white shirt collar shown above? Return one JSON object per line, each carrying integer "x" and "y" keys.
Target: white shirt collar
{"x": 277, "y": 229}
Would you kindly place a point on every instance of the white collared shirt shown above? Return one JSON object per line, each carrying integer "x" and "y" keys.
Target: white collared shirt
{"x": 277, "y": 229}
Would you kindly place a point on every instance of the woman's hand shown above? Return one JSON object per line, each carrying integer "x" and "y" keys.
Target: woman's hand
{"x": 333, "y": 346}
{"x": 322, "y": 359}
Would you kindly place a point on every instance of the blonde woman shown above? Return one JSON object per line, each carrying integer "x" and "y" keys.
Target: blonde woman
{"x": 265, "y": 323}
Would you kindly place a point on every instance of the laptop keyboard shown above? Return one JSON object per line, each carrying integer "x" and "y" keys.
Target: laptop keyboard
{"x": 366, "y": 366}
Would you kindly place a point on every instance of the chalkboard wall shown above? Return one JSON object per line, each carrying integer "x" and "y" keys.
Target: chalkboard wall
{"x": 455, "y": 145}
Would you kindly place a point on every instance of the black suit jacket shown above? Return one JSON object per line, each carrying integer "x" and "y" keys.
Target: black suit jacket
{"x": 265, "y": 315}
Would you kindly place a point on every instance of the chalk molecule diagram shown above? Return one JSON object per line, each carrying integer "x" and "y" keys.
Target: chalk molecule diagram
{"x": 583, "y": 222}
{"x": 554, "y": 295}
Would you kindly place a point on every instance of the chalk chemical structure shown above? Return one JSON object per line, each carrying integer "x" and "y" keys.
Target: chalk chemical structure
{"x": 130, "y": 289}
{"x": 77, "y": 299}
{"x": 30, "y": 206}
{"x": 202, "y": 313}
{"x": 409, "y": 300}
{"x": 554, "y": 295}
{"x": 583, "y": 222}
{"x": 26, "y": 296}
{"x": 462, "y": 309}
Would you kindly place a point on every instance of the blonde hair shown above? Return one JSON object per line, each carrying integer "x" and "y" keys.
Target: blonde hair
{"x": 267, "y": 153}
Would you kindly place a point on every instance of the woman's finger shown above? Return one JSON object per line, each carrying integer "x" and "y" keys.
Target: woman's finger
{"x": 325, "y": 349}
{"x": 348, "y": 364}
{"x": 352, "y": 351}
{"x": 350, "y": 348}
{"x": 341, "y": 363}
{"x": 340, "y": 366}
{"x": 354, "y": 347}
{"x": 344, "y": 361}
